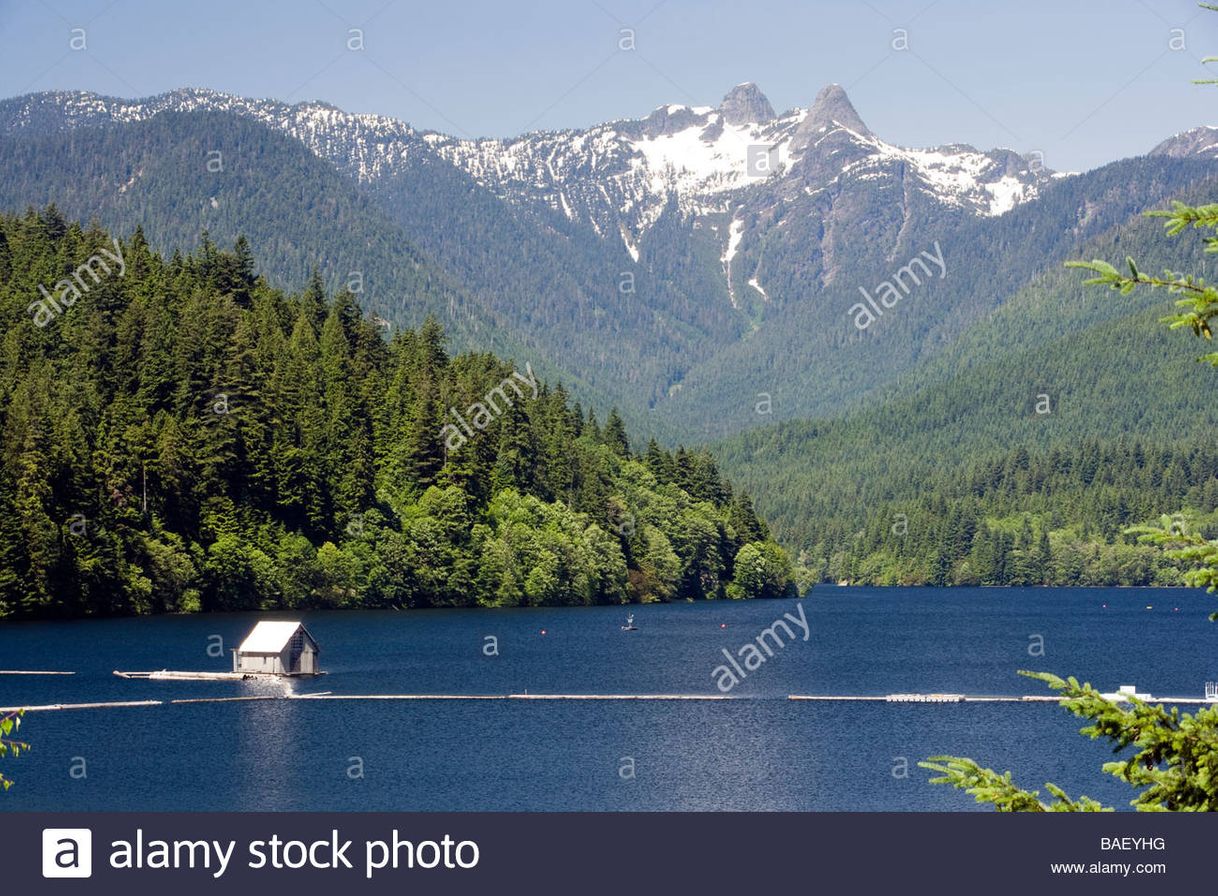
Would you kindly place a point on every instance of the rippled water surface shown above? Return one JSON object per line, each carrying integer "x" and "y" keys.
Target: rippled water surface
{"x": 757, "y": 751}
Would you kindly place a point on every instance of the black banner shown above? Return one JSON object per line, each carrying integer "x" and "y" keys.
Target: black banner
{"x": 725, "y": 853}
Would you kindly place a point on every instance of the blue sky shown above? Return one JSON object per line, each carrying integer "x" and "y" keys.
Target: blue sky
{"x": 1082, "y": 81}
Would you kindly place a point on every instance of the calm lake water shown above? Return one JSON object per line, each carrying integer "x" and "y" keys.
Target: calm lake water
{"x": 758, "y": 752}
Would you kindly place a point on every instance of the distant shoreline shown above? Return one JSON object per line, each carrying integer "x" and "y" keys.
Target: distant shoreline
{"x": 629, "y": 608}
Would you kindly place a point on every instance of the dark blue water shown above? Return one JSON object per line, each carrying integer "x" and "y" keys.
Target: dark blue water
{"x": 756, "y": 753}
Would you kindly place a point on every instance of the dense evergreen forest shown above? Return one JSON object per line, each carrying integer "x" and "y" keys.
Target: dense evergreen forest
{"x": 185, "y": 437}
{"x": 1057, "y": 517}
{"x": 1018, "y": 455}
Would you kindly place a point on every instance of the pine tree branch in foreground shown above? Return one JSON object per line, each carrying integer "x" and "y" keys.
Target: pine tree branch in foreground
{"x": 1174, "y": 762}
{"x": 989, "y": 786}
{"x": 1200, "y": 305}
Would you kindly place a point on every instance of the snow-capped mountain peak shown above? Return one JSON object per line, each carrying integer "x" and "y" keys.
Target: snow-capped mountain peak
{"x": 738, "y": 158}
{"x": 620, "y": 176}
{"x": 831, "y": 109}
{"x": 613, "y": 176}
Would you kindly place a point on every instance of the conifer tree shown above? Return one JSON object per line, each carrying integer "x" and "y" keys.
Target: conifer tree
{"x": 614, "y": 434}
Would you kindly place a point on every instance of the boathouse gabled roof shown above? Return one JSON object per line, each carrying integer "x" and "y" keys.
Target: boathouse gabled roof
{"x": 271, "y": 637}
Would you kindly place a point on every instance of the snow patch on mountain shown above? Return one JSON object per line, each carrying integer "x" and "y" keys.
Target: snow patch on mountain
{"x": 706, "y": 158}
{"x": 735, "y": 234}
{"x": 619, "y": 178}
{"x": 624, "y": 171}
{"x": 957, "y": 175}
{"x": 364, "y": 146}
{"x": 709, "y": 160}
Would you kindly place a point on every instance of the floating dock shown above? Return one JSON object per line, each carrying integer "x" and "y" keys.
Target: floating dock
{"x": 933, "y": 698}
{"x": 50, "y": 707}
{"x": 28, "y": 672}
{"x": 168, "y": 675}
{"x": 622, "y": 697}
{"x": 651, "y": 697}
{"x": 400, "y": 697}
{"x": 248, "y": 699}
{"x": 928, "y": 698}
{"x": 171, "y": 675}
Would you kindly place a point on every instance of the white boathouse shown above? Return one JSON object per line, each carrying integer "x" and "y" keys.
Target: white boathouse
{"x": 277, "y": 648}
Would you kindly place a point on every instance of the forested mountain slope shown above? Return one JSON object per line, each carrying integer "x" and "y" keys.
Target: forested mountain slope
{"x": 1075, "y": 409}
{"x": 179, "y": 435}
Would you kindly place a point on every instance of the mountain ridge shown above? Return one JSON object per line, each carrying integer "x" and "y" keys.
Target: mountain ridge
{"x": 644, "y": 261}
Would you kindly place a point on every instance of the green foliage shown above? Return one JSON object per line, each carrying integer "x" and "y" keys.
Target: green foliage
{"x": 1170, "y": 757}
{"x": 1015, "y": 517}
{"x": 187, "y": 438}
{"x": 1186, "y": 546}
{"x": 1200, "y": 303}
{"x": 999, "y": 790}
{"x": 762, "y": 570}
{"x": 296, "y": 209}
{"x": 9, "y": 723}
